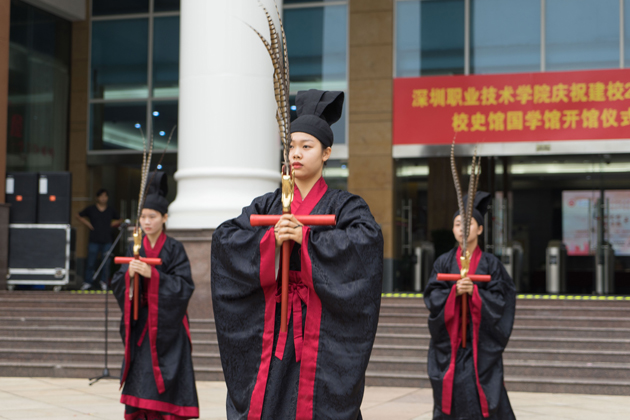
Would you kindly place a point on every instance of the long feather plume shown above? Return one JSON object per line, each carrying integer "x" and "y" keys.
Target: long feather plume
{"x": 146, "y": 188}
{"x": 471, "y": 194}
{"x": 147, "y": 152}
{"x": 458, "y": 190}
{"x": 277, "y": 50}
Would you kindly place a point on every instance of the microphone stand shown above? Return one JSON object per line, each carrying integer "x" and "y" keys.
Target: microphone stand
{"x": 105, "y": 374}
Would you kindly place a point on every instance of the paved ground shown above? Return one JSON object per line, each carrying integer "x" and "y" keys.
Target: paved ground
{"x": 74, "y": 399}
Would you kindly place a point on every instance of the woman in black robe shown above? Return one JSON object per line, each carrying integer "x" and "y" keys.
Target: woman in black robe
{"x": 157, "y": 375}
{"x": 317, "y": 369}
{"x": 468, "y": 382}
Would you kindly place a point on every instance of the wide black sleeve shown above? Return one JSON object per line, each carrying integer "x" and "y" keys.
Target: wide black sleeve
{"x": 499, "y": 304}
{"x": 170, "y": 298}
{"x": 436, "y": 294}
{"x": 238, "y": 300}
{"x": 347, "y": 269}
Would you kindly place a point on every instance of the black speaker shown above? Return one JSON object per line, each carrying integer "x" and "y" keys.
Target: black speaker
{"x": 21, "y": 193}
{"x": 55, "y": 197}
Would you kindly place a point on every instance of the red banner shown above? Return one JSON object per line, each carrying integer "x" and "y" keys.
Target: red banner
{"x": 577, "y": 105}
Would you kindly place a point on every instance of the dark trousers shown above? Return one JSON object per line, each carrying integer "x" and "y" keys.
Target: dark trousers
{"x": 94, "y": 250}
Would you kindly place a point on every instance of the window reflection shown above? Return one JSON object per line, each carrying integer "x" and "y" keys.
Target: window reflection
{"x": 38, "y": 90}
{"x": 118, "y": 7}
{"x": 119, "y": 59}
{"x": 582, "y": 34}
{"x": 164, "y": 118}
{"x": 166, "y": 57}
{"x": 116, "y": 126}
{"x": 166, "y": 5}
{"x": 317, "y": 47}
{"x": 505, "y": 36}
{"x": 429, "y": 37}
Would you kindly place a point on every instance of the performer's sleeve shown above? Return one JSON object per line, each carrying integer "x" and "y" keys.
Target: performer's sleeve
{"x": 498, "y": 304}
{"x": 118, "y": 282}
{"x": 168, "y": 296}
{"x": 346, "y": 263}
{"x": 85, "y": 212}
{"x": 495, "y": 302}
{"x": 436, "y": 295}
{"x": 242, "y": 261}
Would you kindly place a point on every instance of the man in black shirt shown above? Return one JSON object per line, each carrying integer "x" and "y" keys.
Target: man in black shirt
{"x": 99, "y": 218}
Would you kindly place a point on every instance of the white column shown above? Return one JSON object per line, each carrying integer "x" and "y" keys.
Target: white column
{"x": 229, "y": 149}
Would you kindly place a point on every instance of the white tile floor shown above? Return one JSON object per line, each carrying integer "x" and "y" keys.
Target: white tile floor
{"x": 74, "y": 399}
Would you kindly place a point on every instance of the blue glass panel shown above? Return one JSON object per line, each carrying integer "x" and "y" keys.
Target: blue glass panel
{"x": 626, "y": 21}
{"x": 119, "y": 58}
{"x": 38, "y": 90}
{"x": 116, "y": 126}
{"x": 166, "y": 5}
{"x": 505, "y": 36}
{"x": 166, "y": 57}
{"x": 317, "y": 46}
{"x": 164, "y": 120}
{"x": 119, "y": 7}
{"x": 429, "y": 37}
{"x": 582, "y": 34}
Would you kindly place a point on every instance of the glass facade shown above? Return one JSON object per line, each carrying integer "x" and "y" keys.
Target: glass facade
{"x": 119, "y": 59}
{"x": 134, "y": 74}
{"x": 119, "y": 7}
{"x": 504, "y": 36}
{"x": 430, "y": 38}
{"x": 509, "y": 36}
{"x": 582, "y": 34}
{"x": 317, "y": 46}
{"x": 39, "y": 88}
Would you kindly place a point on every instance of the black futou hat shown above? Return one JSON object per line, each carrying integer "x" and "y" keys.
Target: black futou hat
{"x": 480, "y": 206}
{"x": 317, "y": 110}
{"x": 156, "y": 194}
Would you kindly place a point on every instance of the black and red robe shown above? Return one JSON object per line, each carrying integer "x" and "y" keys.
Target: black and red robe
{"x": 468, "y": 382}
{"x": 317, "y": 369}
{"x": 157, "y": 373}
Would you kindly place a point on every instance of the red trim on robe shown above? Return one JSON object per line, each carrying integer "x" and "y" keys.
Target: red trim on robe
{"x": 310, "y": 349}
{"x": 152, "y": 320}
{"x": 268, "y": 282}
{"x": 153, "y": 301}
{"x": 475, "y": 311}
{"x": 187, "y": 412}
{"x": 474, "y": 259}
{"x": 151, "y": 324}
{"x": 127, "y": 319}
{"x": 298, "y": 293}
{"x": 452, "y": 320}
{"x": 269, "y": 286}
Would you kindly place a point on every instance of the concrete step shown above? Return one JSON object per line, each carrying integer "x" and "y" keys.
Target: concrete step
{"x": 84, "y": 332}
{"x": 577, "y": 332}
{"x": 84, "y": 370}
{"x": 514, "y": 384}
{"x": 588, "y": 356}
{"x": 568, "y": 370}
{"x": 98, "y": 344}
{"x": 65, "y": 356}
{"x": 584, "y": 385}
{"x": 576, "y": 321}
{"x": 563, "y": 343}
{"x": 579, "y": 355}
